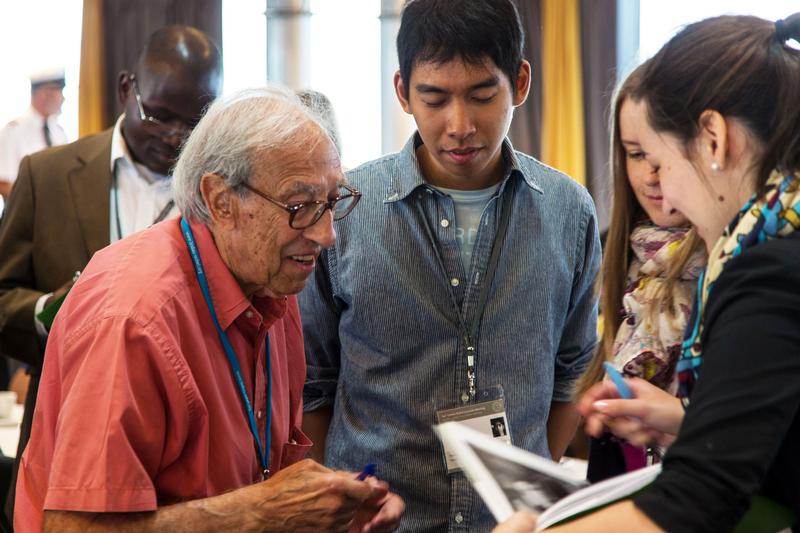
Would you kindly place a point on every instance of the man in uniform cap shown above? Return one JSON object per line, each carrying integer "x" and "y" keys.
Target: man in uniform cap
{"x": 36, "y": 129}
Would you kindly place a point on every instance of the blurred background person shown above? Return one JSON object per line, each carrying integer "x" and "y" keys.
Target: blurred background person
{"x": 34, "y": 130}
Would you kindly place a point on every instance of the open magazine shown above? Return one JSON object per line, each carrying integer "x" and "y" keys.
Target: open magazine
{"x": 510, "y": 479}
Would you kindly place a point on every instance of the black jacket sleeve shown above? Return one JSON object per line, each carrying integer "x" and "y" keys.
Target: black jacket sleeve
{"x": 741, "y": 432}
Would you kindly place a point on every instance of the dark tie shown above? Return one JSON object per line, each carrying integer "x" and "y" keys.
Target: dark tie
{"x": 47, "y": 139}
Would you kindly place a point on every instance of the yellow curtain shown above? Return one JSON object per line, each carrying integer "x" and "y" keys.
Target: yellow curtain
{"x": 91, "y": 94}
{"x": 563, "y": 140}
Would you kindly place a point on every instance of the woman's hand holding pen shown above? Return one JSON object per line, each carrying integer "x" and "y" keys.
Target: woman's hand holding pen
{"x": 652, "y": 415}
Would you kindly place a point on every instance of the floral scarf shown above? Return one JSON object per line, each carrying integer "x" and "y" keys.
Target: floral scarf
{"x": 774, "y": 214}
{"x": 647, "y": 343}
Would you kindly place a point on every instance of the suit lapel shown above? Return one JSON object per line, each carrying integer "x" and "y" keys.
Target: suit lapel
{"x": 90, "y": 184}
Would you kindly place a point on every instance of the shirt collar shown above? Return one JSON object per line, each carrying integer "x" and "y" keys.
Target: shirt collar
{"x": 34, "y": 117}
{"x": 410, "y": 175}
{"x": 229, "y": 300}
{"x": 121, "y": 153}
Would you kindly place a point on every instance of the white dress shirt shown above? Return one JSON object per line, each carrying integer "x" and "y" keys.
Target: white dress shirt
{"x": 140, "y": 193}
{"x": 23, "y": 136}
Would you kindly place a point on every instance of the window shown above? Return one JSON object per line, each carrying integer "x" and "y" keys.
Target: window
{"x": 244, "y": 44}
{"x": 38, "y": 35}
{"x": 658, "y": 21}
{"x": 345, "y": 66}
{"x": 344, "y": 63}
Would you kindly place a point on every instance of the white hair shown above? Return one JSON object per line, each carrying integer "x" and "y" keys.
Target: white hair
{"x": 321, "y": 107}
{"x": 233, "y": 132}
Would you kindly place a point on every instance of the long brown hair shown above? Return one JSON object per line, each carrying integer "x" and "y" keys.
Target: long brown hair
{"x": 625, "y": 212}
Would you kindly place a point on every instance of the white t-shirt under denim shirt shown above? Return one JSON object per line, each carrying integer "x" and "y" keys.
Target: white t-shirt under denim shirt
{"x": 469, "y": 206}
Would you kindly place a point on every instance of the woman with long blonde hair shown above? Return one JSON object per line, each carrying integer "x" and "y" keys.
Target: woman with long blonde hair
{"x": 651, "y": 262}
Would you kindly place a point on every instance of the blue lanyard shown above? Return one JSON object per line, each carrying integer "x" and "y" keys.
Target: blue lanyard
{"x": 231, "y": 354}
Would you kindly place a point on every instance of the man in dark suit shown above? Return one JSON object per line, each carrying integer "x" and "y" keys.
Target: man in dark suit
{"x": 72, "y": 200}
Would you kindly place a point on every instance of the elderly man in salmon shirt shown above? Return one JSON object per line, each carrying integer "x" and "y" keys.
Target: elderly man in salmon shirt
{"x": 171, "y": 395}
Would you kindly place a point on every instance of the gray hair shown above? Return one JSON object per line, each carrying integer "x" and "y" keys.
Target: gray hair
{"x": 321, "y": 106}
{"x": 233, "y": 131}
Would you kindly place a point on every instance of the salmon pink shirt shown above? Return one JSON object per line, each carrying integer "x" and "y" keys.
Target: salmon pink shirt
{"x": 137, "y": 405}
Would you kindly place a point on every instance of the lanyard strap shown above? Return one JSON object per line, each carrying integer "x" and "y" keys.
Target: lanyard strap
{"x": 263, "y": 455}
{"x": 471, "y": 333}
{"x": 494, "y": 258}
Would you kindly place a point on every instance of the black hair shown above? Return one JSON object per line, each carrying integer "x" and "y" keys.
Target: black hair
{"x": 472, "y": 30}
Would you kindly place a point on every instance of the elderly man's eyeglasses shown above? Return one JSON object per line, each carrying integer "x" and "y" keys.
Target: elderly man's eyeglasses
{"x": 305, "y": 214}
{"x": 166, "y": 129}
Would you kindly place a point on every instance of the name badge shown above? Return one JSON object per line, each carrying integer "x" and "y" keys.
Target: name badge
{"x": 487, "y": 416}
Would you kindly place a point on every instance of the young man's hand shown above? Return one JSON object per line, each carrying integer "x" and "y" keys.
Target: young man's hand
{"x": 520, "y": 522}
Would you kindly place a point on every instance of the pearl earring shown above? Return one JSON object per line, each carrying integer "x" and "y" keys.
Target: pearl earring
{"x": 715, "y": 166}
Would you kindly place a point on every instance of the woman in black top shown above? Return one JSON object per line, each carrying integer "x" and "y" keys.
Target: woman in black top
{"x": 722, "y": 106}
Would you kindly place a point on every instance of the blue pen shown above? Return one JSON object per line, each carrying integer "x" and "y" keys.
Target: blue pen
{"x": 369, "y": 470}
{"x": 624, "y": 390}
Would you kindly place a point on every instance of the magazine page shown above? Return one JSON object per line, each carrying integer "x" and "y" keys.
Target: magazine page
{"x": 598, "y": 495}
{"x": 508, "y": 478}
{"x": 511, "y": 479}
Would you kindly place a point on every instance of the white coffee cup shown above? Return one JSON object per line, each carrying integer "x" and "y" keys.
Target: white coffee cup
{"x": 8, "y": 399}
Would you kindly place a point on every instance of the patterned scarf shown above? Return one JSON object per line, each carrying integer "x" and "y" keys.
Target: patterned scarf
{"x": 648, "y": 342}
{"x": 772, "y": 215}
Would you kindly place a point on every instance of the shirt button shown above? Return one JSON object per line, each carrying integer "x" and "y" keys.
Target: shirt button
{"x": 459, "y": 518}
{"x": 249, "y": 314}
{"x": 454, "y": 282}
{"x": 445, "y": 222}
{"x": 259, "y": 414}
{"x": 464, "y": 397}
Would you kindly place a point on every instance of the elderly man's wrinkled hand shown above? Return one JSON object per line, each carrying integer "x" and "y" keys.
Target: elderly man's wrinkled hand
{"x": 379, "y": 515}
{"x": 309, "y": 497}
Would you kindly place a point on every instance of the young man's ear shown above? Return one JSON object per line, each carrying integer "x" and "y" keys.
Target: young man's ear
{"x": 713, "y": 138}
{"x": 523, "y": 84}
{"x": 219, "y": 199}
{"x": 400, "y": 91}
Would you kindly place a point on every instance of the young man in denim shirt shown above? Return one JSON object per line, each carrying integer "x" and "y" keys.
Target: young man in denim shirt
{"x": 411, "y": 318}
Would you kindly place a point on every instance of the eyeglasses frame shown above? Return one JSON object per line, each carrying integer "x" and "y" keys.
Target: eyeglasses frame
{"x": 169, "y": 130}
{"x": 293, "y": 209}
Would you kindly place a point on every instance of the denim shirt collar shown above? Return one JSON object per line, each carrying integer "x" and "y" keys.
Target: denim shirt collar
{"x": 409, "y": 176}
